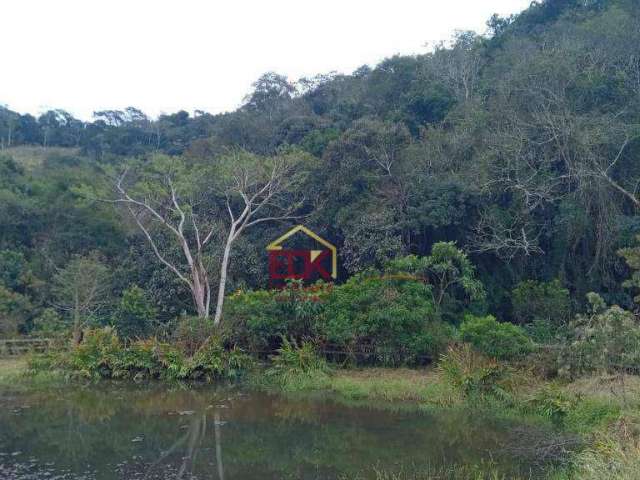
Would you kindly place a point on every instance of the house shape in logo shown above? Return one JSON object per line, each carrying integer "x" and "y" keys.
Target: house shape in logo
{"x": 312, "y": 260}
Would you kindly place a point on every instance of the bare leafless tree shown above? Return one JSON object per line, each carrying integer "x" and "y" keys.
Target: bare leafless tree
{"x": 506, "y": 240}
{"x": 265, "y": 195}
{"x": 459, "y": 63}
{"x": 254, "y": 189}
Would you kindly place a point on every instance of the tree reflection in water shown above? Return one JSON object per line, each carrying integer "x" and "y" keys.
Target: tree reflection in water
{"x": 119, "y": 431}
{"x": 191, "y": 441}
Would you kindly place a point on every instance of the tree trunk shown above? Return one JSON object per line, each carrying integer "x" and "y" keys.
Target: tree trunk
{"x": 77, "y": 323}
{"x": 223, "y": 278}
{"x": 198, "y": 298}
{"x": 199, "y": 293}
{"x": 77, "y": 336}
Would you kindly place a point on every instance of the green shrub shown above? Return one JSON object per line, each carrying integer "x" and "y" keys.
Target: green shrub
{"x": 390, "y": 318}
{"x": 632, "y": 258}
{"x": 503, "y": 341}
{"x": 589, "y": 414}
{"x": 544, "y": 332}
{"x": 175, "y": 363}
{"x": 49, "y": 324}
{"x": 299, "y": 359}
{"x": 553, "y": 403}
{"x": 258, "y": 320}
{"x": 102, "y": 355}
{"x": 373, "y": 318}
{"x": 572, "y": 411}
{"x": 297, "y": 367}
{"x": 14, "y": 308}
{"x": 95, "y": 356}
{"x": 472, "y": 374}
{"x": 138, "y": 360}
{"x": 255, "y": 318}
{"x": 135, "y": 316}
{"x": 212, "y": 361}
{"x": 14, "y": 270}
{"x": 541, "y": 301}
{"x": 237, "y": 363}
{"x": 450, "y": 273}
{"x": 431, "y": 341}
{"x": 606, "y": 338}
{"x": 191, "y": 333}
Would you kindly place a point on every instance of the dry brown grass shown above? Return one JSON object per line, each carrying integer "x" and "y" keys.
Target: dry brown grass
{"x": 619, "y": 389}
{"x": 32, "y": 157}
{"x": 11, "y": 368}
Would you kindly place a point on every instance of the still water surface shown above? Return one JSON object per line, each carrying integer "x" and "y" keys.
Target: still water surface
{"x": 128, "y": 432}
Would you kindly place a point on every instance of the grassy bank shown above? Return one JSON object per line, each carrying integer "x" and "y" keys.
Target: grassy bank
{"x": 376, "y": 384}
{"x": 17, "y": 376}
{"x": 12, "y": 369}
{"x": 383, "y": 384}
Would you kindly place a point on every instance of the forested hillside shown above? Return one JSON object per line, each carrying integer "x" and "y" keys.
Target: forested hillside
{"x": 521, "y": 146}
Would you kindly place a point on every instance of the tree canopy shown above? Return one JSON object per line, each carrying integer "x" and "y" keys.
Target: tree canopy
{"x": 520, "y": 146}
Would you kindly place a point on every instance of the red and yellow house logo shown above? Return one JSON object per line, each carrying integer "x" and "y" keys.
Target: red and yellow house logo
{"x": 302, "y": 264}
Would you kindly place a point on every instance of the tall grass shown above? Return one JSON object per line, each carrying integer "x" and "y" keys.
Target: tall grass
{"x": 612, "y": 462}
{"x": 483, "y": 471}
{"x": 297, "y": 368}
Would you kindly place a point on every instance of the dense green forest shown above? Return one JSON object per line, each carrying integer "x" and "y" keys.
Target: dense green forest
{"x": 520, "y": 146}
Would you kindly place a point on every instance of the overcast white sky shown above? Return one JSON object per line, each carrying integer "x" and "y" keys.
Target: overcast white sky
{"x": 167, "y": 55}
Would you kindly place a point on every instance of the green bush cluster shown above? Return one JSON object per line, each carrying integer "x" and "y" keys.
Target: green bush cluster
{"x": 103, "y": 355}
{"x": 543, "y": 308}
{"x": 135, "y": 316}
{"x": 534, "y": 300}
{"x": 391, "y": 318}
{"x": 258, "y": 320}
{"x": 189, "y": 333}
{"x": 605, "y": 338}
{"x": 371, "y": 318}
{"x": 504, "y": 341}
{"x": 452, "y": 276}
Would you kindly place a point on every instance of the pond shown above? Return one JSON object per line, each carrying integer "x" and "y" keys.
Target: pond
{"x": 115, "y": 431}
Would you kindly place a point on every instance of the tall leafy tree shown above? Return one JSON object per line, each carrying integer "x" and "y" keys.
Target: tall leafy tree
{"x": 81, "y": 289}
